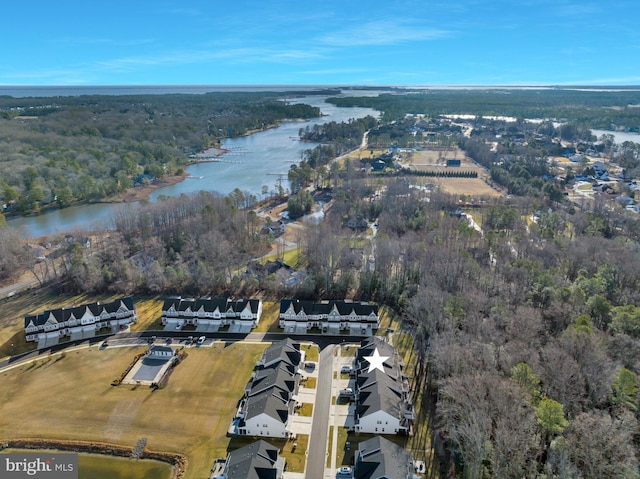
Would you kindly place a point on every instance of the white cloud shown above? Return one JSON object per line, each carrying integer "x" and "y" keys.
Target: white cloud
{"x": 382, "y": 33}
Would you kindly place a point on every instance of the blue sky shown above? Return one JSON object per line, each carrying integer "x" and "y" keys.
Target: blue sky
{"x": 422, "y": 42}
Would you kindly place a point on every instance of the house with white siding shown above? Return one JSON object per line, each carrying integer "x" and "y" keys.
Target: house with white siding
{"x": 80, "y": 322}
{"x": 379, "y": 458}
{"x": 210, "y": 314}
{"x": 383, "y": 402}
{"x": 259, "y": 460}
{"x": 359, "y": 318}
{"x": 271, "y": 394}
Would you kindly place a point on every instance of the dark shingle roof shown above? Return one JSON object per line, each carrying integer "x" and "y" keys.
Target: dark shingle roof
{"x": 273, "y": 403}
{"x": 209, "y": 305}
{"x": 380, "y": 458}
{"x": 325, "y": 307}
{"x": 286, "y": 350}
{"x": 259, "y": 460}
{"x": 64, "y": 314}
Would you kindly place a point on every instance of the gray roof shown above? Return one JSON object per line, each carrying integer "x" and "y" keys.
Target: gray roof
{"x": 379, "y": 392}
{"x": 278, "y": 377}
{"x": 274, "y": 403}
{"x": 369, "y": 345}
{"x": 285, "y": 350}
{"x": 209, "y": 305}
{"x": 344, "y": 307}
{"x": 380, "y": 458}
{"x": 64, "y": 314}
{"x": 259, "y": 460}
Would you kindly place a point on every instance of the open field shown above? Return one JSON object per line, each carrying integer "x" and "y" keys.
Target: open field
{"x": 435, "y": 161}
{"x": 12, "y": 339}
{"x": 465, "y": 186}
{"x": 96, "y": 466}
{"x": 190, "y": 415}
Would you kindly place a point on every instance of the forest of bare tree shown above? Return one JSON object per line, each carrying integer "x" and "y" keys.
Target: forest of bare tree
{"x": 526, "y": 320}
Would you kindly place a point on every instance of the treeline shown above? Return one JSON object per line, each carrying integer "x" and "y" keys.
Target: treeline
{"x": 592, "y": 109}
{"x": 64, "y": 150}
{"x": 527, "y": 333}
{"x": 343, "y": 137}
{"x": 185, "y": 245}
{"x": 440, "y": 174}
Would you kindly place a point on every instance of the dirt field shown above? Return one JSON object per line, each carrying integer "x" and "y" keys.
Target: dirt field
{"x": 465, "y": 186}
{"x": 190, "y": 415}
{"x": 435, "y": 160}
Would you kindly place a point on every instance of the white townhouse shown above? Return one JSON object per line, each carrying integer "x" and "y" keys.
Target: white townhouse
{"x": 210, "y": 314}
{"x": 271, "y": 394}
{"x": 329, "y": 316}
{"x": 80, "y": 322}
{"x": 259, "y": 460}
{"x": 383, "y": 402}
{"x": 379, "y": 458}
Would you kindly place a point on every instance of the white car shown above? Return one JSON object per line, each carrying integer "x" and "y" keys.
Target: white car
{"x": 201, "y": 339}
{"x": 344, "y": 471}
{"x": 347, "y": 392}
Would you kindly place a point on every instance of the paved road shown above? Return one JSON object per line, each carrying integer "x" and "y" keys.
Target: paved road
{"x": 141, "y": 337}
{"x": 317, "y": 457}
{"x": 16, "y": 288}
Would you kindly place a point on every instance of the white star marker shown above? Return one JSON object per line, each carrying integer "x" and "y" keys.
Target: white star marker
{"x": 376, "y": 361}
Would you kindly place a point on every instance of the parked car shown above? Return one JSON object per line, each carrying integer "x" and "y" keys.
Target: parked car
{"x": 201, "y": 339}
{"x": 346, "y": 392}
{"x": 310, "y": 365}
{"x": 345, "y": 369}
{"x": 344, "y": 471}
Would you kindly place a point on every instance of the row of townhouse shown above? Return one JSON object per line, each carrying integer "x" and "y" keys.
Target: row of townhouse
{"x": 383, "y": 402}
{"x": 329, "y": 316}
{"x": 271, "y": 394}
{"x": 376, "y": 458}
{"x": 210, "y": 314}
{"x": 80, "y": 322}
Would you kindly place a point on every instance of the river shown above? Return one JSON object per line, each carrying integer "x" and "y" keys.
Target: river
{"x": 252, "y": 162}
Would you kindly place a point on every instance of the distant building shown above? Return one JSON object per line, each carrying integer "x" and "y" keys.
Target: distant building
{"x": 210, "y": 314}
{"x": 378, "y": 165}
{"x": 331, "y": 317}
{"x": 79, "y": 322}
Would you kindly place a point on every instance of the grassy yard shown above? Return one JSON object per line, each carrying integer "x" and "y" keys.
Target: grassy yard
{"x": 330, "y": 446}
{"x": 12, "y": 339}
{"x": 149, "y": 312}
{"x": 190, "y": 416}
{"x": 95, "y": 466}
{"x": 295, "y": 456}
{"x": 311, "y": 383}
{"x": 269, "y": 319}
{"x": 310, "y": 352}
{"x": 306, "y": 409}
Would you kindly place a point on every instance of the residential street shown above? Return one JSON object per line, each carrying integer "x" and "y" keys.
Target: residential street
{"x": 317, "y": 457}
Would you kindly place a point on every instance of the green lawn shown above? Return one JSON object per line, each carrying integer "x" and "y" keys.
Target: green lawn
{"x": 12, "y": 338}
{"x": 190, "y": 416}
{"x": 96, "y": 466}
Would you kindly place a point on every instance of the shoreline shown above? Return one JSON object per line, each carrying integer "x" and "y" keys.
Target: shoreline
{"x": 142, "y": 193}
